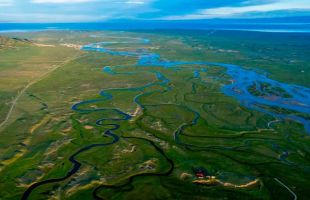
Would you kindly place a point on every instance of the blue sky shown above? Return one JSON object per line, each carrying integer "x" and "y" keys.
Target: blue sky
{"x": 106, "y": 10}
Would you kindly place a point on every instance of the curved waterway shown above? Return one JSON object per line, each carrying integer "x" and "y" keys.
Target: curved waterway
{"x": 100, "y": 122}
{"x": 297, "y": 98}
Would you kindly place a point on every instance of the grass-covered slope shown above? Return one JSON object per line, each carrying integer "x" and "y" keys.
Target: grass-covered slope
{"x": 185, "y": 139}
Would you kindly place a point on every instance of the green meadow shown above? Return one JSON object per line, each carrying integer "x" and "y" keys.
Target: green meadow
{"x": 241, "y": 151}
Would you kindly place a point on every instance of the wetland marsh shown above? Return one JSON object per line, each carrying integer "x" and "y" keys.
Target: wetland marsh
{"x": 131, "y": 114}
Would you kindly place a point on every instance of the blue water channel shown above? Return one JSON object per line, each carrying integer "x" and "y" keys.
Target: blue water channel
{"x": 241, "y": 80}
{"x": 298, "y": 99}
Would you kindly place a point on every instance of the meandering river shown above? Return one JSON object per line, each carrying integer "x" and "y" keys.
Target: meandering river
{"x": 298, "y": 98}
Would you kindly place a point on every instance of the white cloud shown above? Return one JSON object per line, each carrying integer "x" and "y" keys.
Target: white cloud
{"x": 134, "y": 2}
{"x": 62, "y": 1}
{"x": 101, "y": 10}
{"x": 73, "y": 10}
{"x": 225, "y": 12}
{"x": 42, "y": 17}
{"x": 6, "y": 3}
{"x": 137, "y": 2}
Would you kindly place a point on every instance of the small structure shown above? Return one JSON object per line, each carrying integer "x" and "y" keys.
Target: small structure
{"x": 200, "y": 172}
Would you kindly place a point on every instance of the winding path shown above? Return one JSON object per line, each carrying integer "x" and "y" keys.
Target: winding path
{"x": 281, "y": 183}
{"x": 15, "y": 100}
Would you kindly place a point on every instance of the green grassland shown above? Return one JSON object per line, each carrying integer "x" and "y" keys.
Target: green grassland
{"x": 233, "y": 143}
{"x": 284, "y": 56}
{"x": 22, "y": 62}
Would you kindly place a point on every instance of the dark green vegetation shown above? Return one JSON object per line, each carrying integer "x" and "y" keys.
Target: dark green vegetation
{"x": 265, "y": 89}
{"x": 284, "y": 56}
{"x": 247, "y": 150}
